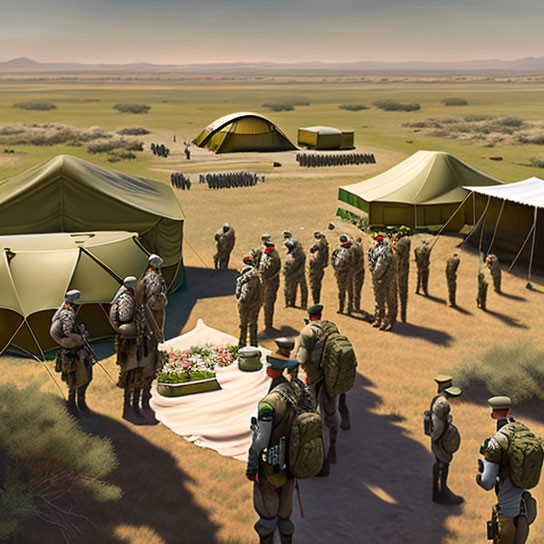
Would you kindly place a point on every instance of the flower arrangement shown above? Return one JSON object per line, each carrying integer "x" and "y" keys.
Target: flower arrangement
{"x": 195, "y": 363}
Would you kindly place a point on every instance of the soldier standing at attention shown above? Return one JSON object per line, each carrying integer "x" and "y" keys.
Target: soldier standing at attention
{"x": 401, "y": 246}
{"x": 75, "y": 357}
{"x": 445, "y": 439}
{"x": 358, "y": 272}
{"x": 318, "y": 261}
{"x": 269, "y": 268}
{"x": 224, "y": 239}
{"x": 249, "y": 296}
{"x": 383, "y": 267}
{"x": 423, "y": 257}
{"x": 494, "y": 266}
{"x": 452, "y": 264}
{"x": 342, "y": 260}
{"x": 483, "y": 283}
{"x": 294, "y": 273}
{"x": 267, "y": 465}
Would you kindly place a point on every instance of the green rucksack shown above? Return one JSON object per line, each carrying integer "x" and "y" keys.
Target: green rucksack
{"x": 525, "y": 454}
{"x": 338, "y": 359}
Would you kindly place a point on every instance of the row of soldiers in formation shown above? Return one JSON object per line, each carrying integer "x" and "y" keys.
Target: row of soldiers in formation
{"x": 228, "y": 180}
{"x": 388, "y": 261}
{"x": 326, "y": 159}
{"x": 179, "y": 180}
{"x": 160, "y": 150}
{"x": 137, "y": 314}
{"x": 510, "y": 463}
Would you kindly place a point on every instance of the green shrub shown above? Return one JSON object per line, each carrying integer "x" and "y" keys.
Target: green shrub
{"x": 279, "y": 106}
{"x": 134, "y": 131}
{"x": 536, "y": 162}
{"x": 516, "y": 371}
{"x": 532, "y": 137}
{"x": 49, "y": 134}
{"x": 454, "y": 102}
{"x": 392, "y": 105}
{"x": 353, "y": 107}
{"x": 132, "y": 108}
{"x": 46, "y": 460}
{"x": 35, "y": 106}
{"x": 110, "y": 145}
{"x": 510, "y": 121}
{"x": 116, "y": 156}
{"x": 475, "y": 117}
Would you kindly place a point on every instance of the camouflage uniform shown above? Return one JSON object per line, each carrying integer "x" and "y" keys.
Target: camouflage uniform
{"x": 294, "y": 273}
{"x": 269, "y": 269}
{"x": 358, "y": 272}
{"x": 224, "y": 239}
{"x": 383, "y": 267}
{"x": 318, "y": 261}
{"x": 494, "y": 266}
{"x": 481, "y": 299}
{"x": 401, "y": 246}
{"x": 249, "y": 295}
{"x": 452, "y": 265}
{"x": 342, "y": 260}
{"x": 75, "y": 357}
{"x": 423, "y": 257}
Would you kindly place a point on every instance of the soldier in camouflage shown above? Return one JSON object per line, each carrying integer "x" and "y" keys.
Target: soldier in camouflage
{"x": 224, "y": 239}
{"x": 383, "y": 267}
{"x": 452, "y": 264}
{"x": 342, "y": 259}
{"x": 318, "y": 261}
{"x": 423, "y": 256}
{"x": 269, "y": 269}
{"x": 294, "y": 274}
{"x": 483, "y": 283}
{"x": 401, "y": 246}
{"x": 75, "y": 357}
{"x": 249, "y": 295}
{"x": 492, "y": 262}
{"x": 358, "y": 272}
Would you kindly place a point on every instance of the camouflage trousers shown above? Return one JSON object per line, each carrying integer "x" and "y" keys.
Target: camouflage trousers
{"x": 385, "y": 293}
{"x": 75, "y": 366}
{"x": 290, "y": 291}
{"x": 344, "y": 281}
{"x": 221, "y": 259}
{"x": 402, "y": 279}
{"x": 512, "y": 530}
{"x": 270, "y": 292}
{"x": 249, "y": 314}
{"x": 481, "y": 299}
{"x": 358, "y": 281}
{"x": 422, "y": 280}
{"x": 497, "y": 276}
{"x": 315, "y": 278}
{"x": 326, "y": 405}
{"x": 452, "y": 289}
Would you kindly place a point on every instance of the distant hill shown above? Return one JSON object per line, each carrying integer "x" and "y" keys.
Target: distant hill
{"x": 525, "y": 66}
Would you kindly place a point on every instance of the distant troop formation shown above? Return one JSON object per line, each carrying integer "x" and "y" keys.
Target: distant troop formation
{"x": 328, "y": 159}
{"x": 229, "y": 180}
{"x": 160, "y": 150}
{"x": 180, "y": 181}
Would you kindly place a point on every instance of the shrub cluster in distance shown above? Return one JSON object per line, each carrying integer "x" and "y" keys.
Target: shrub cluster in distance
{"x": 287, "y": 103}
{"x": 392, "y": 105}
{"x": 132, "y": 108}
{"x": 353, "y": 107}
{"x": 454, "y": 102}
{"x": 35, "y": 106}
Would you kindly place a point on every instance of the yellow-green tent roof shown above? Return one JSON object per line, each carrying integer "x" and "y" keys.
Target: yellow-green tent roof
{"x": 425, "y": 178}
{"x": 68, "y": 194}
{"x": 243, "y": 131}
{"x": 36, "y": 270}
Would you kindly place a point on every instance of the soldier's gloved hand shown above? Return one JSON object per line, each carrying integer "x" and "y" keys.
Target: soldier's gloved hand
{"x": 252, "y": 475}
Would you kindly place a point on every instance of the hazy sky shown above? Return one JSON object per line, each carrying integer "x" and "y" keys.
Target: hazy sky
{"x": 187, "y": 31}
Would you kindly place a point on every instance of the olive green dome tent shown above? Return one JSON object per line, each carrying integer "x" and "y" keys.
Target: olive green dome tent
{"x": 243, "y": 131}
{"x": 423, "y": 190}
{"x": 36, "y": 270}
{"x": 320, "y": 137}
{"x": 68, "y": 194}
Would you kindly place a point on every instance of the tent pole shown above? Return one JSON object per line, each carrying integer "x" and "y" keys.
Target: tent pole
{"x": 496, "y": 228}
{"x": 478, "y": 224}
{"x": 415, "y": 217}
{"x": 521, "y": 249}
{"x": 532, "y": 249}
{"x": 448, "y": 221}
{"x": 482, "y": 230}
{"x": 473, "y": 208}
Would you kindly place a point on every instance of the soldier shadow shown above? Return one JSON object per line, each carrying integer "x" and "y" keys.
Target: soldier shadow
{"x": 434, "y": 336}
{"x": 284, "y": 331}
{"x": 506, "y": 319}
{"x": 512, "y": 297}
{"x": 380, "y": 488}
{"x": 461, "y": 310}
{"x": 201, "y": 283}
{"x": 155, "y": 493}
{"x": 432, "y": 298}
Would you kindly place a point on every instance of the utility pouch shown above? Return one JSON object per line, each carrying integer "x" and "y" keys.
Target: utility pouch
{"x": 275, "y": 456}
{"x": 492, "y": 530}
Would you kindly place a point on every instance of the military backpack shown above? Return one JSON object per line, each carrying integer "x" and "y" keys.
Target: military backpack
{"x": 524, "y": 454}
{"x": 338, "y": 359}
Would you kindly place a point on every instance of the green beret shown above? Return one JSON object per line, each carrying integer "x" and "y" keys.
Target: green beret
{"x": 500, "y": 403}
{"x": 315, "y": 309}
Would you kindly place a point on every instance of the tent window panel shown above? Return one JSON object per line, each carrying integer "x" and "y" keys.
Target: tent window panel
{"x": 251, "y": 126}
{"x": 353, "y": 200}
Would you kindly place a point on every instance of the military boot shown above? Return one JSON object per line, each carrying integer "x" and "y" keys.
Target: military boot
{"x": 286, "y": 539}
{"x": 71, "y": 403}
{"x": 266, "y": 539}
{"x": 81, "y": 404}
{"x": 341, "y": 301}
{"x": 253, "y": 341}
{"x": 148, "y": 412}
{"x": 128, "y": 411}
{"x": 345, "y": 423}
{"x": 436, "y": 482}
{"x": 331, "y": 455}
{"x": 446, "y": 495}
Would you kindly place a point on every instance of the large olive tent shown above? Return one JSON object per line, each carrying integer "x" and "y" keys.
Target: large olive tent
{"x": 423, "y": 190}
{"x": 36, "y": 270}
{"x": 325, "y": 138}
{"x": 68, "y": 194}
{"x": 243, "y": 131}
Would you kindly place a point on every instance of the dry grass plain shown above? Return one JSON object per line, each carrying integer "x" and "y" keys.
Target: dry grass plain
{"x": 379, "y": 491}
